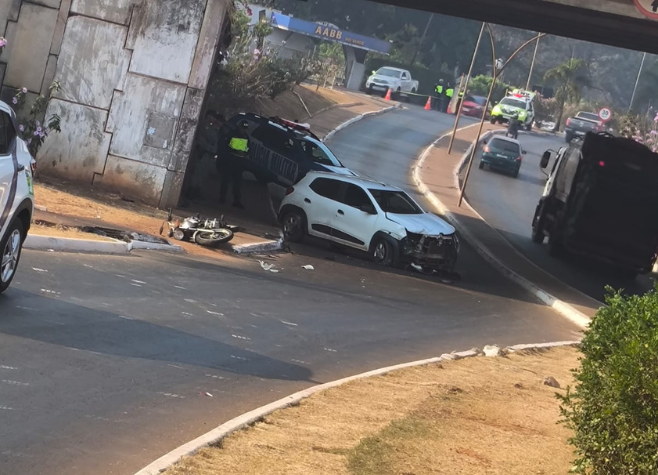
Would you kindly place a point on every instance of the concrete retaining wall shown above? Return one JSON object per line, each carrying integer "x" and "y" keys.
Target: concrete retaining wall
{"x": 133, "y": 75}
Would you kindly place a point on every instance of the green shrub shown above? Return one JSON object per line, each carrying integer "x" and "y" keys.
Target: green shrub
{"x": 613, "y": 409}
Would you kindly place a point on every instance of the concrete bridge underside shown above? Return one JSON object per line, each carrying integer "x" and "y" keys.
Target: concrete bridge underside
{"x": 612, "y": 22}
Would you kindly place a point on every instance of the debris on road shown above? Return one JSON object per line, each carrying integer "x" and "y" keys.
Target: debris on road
{"x": 268, "y": 267}
{"x": 308, "y": 267}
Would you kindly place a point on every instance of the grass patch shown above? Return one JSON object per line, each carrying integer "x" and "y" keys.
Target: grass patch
{"x": 476, "y": 416}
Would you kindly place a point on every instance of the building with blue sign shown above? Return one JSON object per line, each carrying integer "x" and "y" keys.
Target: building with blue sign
{"x": 294, "y": 36}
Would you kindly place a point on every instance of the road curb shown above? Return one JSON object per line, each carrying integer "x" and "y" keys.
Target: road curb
{"x": 561, "y": 307}
{"x": 254, "y": 416}
{"x": 60, "y": 244}
{"x": 359, "y": 118}
{"x": 257, "y": 247}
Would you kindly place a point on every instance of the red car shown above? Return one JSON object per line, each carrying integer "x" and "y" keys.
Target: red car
{"x": 474, "y": 106}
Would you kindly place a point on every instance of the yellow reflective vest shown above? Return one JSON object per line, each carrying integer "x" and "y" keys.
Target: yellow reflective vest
{"x": 450, "y": 92}
{"x": 239, "y": 145}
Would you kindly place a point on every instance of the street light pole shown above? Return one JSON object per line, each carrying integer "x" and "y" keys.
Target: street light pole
{"x": 532, "y": 66}
{"x": 637, "y": 81}
{"x": 486, "y": 105}
{"x": 422, "y": 40}
{"x": 468, "y": 79}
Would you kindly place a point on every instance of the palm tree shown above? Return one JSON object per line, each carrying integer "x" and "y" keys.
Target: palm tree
{"x": 570, "y": 78}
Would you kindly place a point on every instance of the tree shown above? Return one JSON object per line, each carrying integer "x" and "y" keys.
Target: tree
{"x": 613, "y": 408}
{"x": 569, "y": 79}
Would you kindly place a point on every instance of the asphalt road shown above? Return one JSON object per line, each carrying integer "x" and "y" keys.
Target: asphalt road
{"x": 108, "y": 362}
{"x": 508, "y": 204}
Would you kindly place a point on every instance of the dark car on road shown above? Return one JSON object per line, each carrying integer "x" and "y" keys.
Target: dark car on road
{"x": 503, "y": 153}
{"x": 580, "y": 124}
{"x": 282, "y": 151}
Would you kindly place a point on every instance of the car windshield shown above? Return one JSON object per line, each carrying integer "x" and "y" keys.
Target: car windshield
{"x": 479, "y": 100}
{"x": 508, "y": 101}
{"x": 319, "y": 153}
{"x": 391, "y": 73}
{"x": 396, "y": 202}
{"x": 588, "y": 116}
{"x": 505, "y": 146}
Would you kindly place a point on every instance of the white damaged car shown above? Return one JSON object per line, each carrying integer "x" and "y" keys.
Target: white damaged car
{"x": 369, "y": 216}
{"x": 16, "y": 195}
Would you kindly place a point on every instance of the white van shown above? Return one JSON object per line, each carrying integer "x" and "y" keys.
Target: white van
{"x": 16, "y": 194}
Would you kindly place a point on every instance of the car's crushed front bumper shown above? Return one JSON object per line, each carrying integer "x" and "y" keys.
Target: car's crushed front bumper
{"x": 432, "y": 253}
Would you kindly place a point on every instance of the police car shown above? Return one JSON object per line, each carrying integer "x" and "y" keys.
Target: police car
{"x": 283, "y": 151}
{"x": 517, "y": 102}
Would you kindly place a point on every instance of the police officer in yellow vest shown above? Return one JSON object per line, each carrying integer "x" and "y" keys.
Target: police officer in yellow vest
{"x": 450, "y": 92}
{"x": 232, "y": 166}
{"x": 459, "y": 101}
{"x": 439, "y": 96}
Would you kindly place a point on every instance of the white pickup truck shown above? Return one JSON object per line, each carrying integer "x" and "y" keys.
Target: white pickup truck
{"x": 399, "y": 81}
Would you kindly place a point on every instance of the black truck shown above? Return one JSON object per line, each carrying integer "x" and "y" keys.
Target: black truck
{"x": 601, "y": 201}
{"x": 580, "y": 124}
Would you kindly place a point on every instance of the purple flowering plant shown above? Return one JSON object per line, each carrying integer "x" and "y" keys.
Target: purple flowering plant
{"x": 32, "y": 125}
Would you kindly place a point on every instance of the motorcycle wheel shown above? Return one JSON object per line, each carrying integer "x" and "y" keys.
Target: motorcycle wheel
{"x": 214, "y": 237}
{"x": 179, "y": 234}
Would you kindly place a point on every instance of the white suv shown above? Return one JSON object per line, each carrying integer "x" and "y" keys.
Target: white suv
{"x": 16, "y": 194}
{"x": 369, "y": 216}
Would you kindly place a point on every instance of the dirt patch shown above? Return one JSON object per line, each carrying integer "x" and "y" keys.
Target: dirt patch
{"x": 473, "y": 416}
{"x": 65, "y": 232}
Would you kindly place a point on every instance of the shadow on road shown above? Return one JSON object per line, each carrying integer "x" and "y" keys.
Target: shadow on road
{"x": 72, "y": 326}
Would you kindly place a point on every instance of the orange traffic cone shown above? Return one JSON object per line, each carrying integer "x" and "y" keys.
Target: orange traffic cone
{"x": 388, "y": 95}
{"x": 428, "y": 104}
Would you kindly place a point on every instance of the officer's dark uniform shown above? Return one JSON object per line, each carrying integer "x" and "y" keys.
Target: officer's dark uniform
{"x": 439, "y": 95}
{"x": 231, "y": 165}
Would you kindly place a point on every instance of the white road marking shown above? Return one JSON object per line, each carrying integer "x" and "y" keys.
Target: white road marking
{"x": 45, "y": 291}
{"x": 6, "y": 408}
{"x": 125, "y": 318}
{"x": 136, "y": 285}
{"x": 172, "y": 395}
{"x": 138, "y": 281}
{"x": 26, "y": 308}
{"x": 39, "y": 270}
{"x": 190, "y": 300}
{"x": 240, "y": 358}
{"x": 330, "y": 350}
{"x": 214, "y": 376}
{"x": 7, "y": 367}
{"x": 179, "y": 287}
{"x": 241, "y": 337}
{"x": 215, "y": 313}
{"x": 14, "y": 383}
{"x": 299, "y": 362}
{"x": 289, "y": 323}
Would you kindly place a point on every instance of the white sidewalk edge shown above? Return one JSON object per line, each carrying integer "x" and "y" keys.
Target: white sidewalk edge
{"x": 61, "y": 244}
{"x": 359, "y": 118}
{"x": 251, "y": 417}
{"x": 569, "y": 312}
{"x": 263, "y": 246}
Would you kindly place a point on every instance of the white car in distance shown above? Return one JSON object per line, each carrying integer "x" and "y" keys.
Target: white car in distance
{"x": 16, "y": 195}
{"x": 399, "y": 81}
{"x": 379, "y": 219}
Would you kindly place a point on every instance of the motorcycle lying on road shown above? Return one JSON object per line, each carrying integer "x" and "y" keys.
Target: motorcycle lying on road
{"x": 203, "y": 231}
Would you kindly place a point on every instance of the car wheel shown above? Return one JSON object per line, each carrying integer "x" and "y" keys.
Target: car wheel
{"x": 10, "y": 254}
{"x": 515, "y": 174}
{"x": 294, "y": 226}
{"x": 481, "y": 165}
{"x": 383, "y": 252}
{"x": 492, "y": 120}
{"x": 538, "y": 225}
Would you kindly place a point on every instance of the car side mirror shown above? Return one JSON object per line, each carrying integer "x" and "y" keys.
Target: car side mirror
{"x": 545, "y": 159}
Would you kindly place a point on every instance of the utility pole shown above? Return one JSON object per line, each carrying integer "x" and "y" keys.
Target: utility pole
{"x": 468, "y": 79}
{"x": 422, "y": 39}
{"x": 532, "y": 66}
{"x": 637, "y": 81}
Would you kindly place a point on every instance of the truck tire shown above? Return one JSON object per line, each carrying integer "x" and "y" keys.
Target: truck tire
{"x": 492, "y": 120}
{"x": 555, "y": 247}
